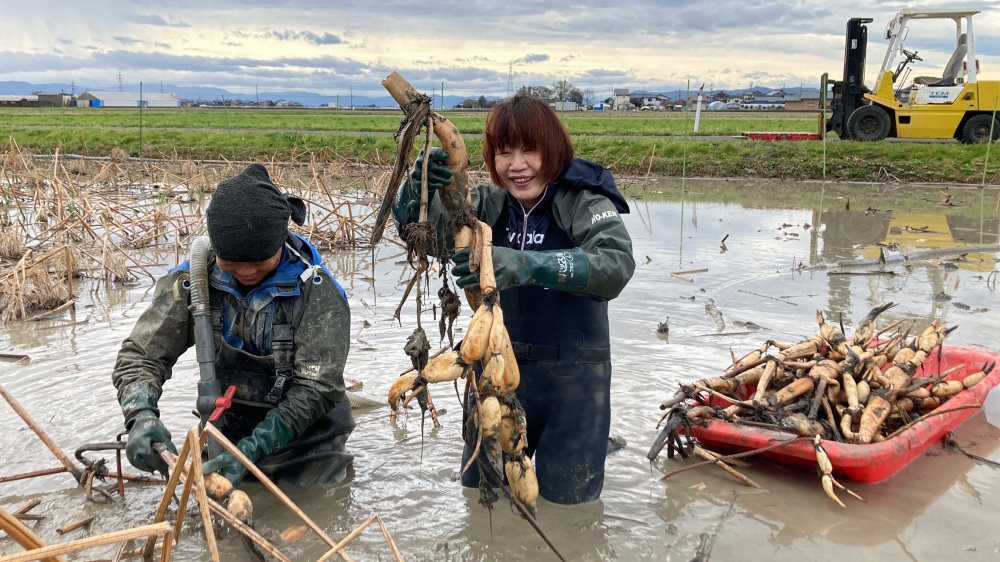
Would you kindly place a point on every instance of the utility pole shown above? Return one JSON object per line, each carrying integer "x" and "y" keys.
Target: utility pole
{"x": 442, "y": 94}
{"x": 562, "y": 97}
{"x": 256, "y": 93}
{"x": 352, "y": 96}
{"x": 140, "y": 121}
{"x": 510, "y": 79}
{"x": 120, "y": 82}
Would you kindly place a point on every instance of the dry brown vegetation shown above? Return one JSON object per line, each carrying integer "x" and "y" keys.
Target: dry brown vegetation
{"x": 106, "y": 219}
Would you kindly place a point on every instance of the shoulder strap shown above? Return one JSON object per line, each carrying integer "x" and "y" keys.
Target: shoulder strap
{"x": 283, "y": 346}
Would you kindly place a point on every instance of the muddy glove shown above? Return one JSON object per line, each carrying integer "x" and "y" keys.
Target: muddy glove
{"x": 270, "y": 436}
{"x": 563, "y": 270}
{"x": 144, "y": 427}
{"x": 407, "y": 203}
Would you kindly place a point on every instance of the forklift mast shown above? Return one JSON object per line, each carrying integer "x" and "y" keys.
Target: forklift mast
{"x": 848, "y": 93}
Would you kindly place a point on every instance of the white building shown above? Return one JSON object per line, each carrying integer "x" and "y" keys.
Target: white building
{"x": 127, "y": 99}
{"x": 621, "y": 99}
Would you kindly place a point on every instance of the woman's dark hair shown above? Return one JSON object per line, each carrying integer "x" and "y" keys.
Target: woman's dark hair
{"x": 527, "y": 122}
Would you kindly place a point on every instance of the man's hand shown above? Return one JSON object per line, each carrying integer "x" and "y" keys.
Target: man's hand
{"x": 146, "y": 430}
{"x": 270, "y": 435}
{"x": 227, "y": 466}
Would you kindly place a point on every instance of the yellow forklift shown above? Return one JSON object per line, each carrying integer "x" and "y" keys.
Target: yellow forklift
{"x": 952, "y": 105}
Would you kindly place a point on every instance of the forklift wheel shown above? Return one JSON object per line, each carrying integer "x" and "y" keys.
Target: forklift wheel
{"x": 977, "y": 129}
{"x": 869, "y": 123}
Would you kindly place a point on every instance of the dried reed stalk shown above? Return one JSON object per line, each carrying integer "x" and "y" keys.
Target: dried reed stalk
{"x": 113, "y": 226}
{"x": 11, "y": 243}
{"x": 34, "y": 284}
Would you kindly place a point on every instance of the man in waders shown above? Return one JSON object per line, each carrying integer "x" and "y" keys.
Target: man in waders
{"x": 280, "y": 325}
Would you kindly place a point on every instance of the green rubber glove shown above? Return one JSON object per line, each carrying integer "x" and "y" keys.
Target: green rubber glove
{"x": 408, "y": 199}
{"x": 138, "y": 401}
{"x": 146, "y": 430}
{"x": 563, "y": 270}
{"x": 270, "y": 436}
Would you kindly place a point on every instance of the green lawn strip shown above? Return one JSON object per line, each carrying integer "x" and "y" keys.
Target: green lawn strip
{"x": 630, "y": 143}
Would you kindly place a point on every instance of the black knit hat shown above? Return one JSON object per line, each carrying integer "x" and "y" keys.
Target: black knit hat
{"x": 248, "y": 216}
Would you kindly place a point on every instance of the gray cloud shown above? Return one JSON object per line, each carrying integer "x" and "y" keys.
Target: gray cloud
{"x": 151, "y": 19}
{"x": 307, "y": 36}
{"x": 470, "y": 45}
{"x": 528, "y": 59}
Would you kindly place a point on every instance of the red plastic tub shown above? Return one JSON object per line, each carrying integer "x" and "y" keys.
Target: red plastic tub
{"x": 877, "y": 461}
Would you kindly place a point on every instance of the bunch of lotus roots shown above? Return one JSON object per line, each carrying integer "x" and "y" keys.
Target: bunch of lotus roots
{"x": 497, "y": 418}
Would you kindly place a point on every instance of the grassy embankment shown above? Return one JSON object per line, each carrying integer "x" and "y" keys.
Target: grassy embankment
{"x": 635, "y": 143}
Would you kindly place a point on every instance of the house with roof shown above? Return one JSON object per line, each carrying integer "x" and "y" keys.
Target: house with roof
{"x": 804, "y": 101}
{"x": 54, "y": 99}
{"x": 127, "y": 99}
{"x": 757, "y": 100}
{"x": 36, "y": 100}
{"x": 719, "y": 96}
{"x": 621, "y": 99}
{"x": 649, "y": 100}
{"x": 14, "y": 100}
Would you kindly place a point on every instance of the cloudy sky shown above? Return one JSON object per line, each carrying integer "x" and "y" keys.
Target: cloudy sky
{"x": 340, "y": 46}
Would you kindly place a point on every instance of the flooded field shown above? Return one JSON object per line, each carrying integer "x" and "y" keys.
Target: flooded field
{"x": 758, "y": 252}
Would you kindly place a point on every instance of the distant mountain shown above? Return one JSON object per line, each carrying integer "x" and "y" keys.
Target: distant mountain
{"x": 307, "y": 99}
{"x": 208, "y": 94}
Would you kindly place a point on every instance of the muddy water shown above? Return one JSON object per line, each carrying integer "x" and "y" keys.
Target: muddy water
{"x": 762, "y": 286}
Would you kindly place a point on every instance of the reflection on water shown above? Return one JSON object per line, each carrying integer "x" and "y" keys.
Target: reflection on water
{"x": 750, "y": 247}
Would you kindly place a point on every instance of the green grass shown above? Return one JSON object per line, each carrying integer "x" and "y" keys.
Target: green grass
{"x": 630, "y": 143}
{"x": 387, "y": 121}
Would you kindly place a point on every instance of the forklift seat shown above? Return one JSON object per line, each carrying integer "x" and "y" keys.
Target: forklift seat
{"x": 951, "y": 72}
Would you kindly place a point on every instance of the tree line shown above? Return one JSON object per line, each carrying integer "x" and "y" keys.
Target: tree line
{"x": 558, "y": 91}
